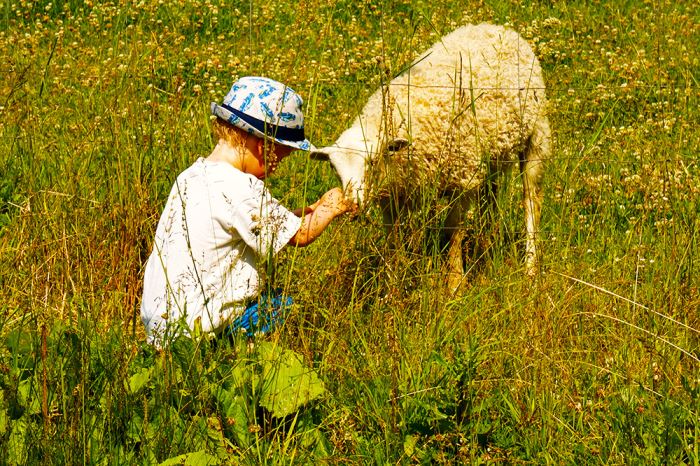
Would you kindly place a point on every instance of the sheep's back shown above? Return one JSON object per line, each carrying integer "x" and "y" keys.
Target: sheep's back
{"x": 473, "y": 97}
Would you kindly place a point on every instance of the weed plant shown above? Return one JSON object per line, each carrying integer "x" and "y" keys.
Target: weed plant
{"x": 102, "y": 104}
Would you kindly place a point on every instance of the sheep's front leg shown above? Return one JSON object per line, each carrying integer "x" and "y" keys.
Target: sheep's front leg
{"x": 533, "y": 207}
{"x": 457, "y": 235}
{"x": 390, "y": 214}
{"x": 455, "y": 262}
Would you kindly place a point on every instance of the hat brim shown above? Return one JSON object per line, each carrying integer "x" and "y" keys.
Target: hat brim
{"x": 224, "y": 114}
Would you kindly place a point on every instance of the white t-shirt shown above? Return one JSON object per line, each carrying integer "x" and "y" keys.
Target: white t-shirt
{"x": 216, "y": 224}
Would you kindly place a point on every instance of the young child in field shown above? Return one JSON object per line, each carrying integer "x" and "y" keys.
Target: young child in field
{"x": 220, "y": 221}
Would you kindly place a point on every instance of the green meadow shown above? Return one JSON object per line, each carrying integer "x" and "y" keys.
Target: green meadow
{"x": 597, "y": 361}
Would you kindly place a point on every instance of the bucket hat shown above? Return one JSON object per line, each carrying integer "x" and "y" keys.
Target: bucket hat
{"x": 267, "y": 109}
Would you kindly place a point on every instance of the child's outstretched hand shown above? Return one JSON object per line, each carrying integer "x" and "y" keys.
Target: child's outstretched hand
{"x": 335, "y": 201}
{"x": 317, "y": 216}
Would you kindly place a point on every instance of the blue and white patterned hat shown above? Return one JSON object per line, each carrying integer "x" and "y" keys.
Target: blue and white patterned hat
{"x": 267, "y": 109}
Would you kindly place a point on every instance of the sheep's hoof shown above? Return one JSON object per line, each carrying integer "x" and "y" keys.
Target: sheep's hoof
{"x": 532, "y": 271}
{"x": 531, "y": 264}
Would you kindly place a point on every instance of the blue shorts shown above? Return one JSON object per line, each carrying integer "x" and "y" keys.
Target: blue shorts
{"x": 261, "y": 316}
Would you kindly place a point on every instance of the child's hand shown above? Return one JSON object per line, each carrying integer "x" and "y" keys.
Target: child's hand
{"x": 332, "y": 203}
{"x": 319, "y": 215}
{"x": 336, "y": 201}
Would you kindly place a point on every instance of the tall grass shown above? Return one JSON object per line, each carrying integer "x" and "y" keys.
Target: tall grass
{"x": 103, "y": 104}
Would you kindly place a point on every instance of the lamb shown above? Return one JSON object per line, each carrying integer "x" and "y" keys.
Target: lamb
{"x": 469, "y": 107}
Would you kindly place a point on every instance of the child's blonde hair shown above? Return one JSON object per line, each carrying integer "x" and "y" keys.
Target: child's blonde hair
{"x": 234, "y": 136}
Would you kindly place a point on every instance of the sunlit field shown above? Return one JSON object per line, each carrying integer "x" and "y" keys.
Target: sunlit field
{"x": 596, "y": 361}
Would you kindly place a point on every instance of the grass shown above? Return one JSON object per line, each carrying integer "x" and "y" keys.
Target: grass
{"x": 103, "y": 103}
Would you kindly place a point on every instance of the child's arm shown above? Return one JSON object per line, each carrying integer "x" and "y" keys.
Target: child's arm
{"x": 319, "y": 215}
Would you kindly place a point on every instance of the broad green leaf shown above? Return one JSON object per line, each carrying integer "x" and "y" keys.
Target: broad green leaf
{"x": 135, "y": 427}
{"x": 320, "y": 444}
{"x": 236, "y": 375}
{"x": 233, "y": 409}
{"x": 286, "y": 384}
{"x": 215, "y": 432}
{"x": 140, "y": 379}
{"x": 409, "y": 445}
{"x": 16, "y": 446}
{"x": 20, "y": 342}
{"x": 27, "y": 397}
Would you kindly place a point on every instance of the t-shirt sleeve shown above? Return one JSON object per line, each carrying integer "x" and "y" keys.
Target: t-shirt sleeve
{"x": 259, "y": 219}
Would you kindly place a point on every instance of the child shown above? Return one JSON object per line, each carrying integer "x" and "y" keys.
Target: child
{"x": 220, "y": 220}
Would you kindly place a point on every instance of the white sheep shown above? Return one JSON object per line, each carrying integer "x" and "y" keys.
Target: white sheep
{"x": 470, "y": 106}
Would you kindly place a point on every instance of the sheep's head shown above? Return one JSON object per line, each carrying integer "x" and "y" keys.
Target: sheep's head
{"x": 350, "y": 166}
{"x": 353, "y": 164}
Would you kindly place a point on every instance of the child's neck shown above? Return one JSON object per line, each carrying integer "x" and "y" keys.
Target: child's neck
{"x": 223, "y": 152}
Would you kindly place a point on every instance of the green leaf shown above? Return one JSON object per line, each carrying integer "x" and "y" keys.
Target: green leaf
{"x": 196, "y": 458}
{"x": 285, "y": 383}
{"x": 313, "y": 439}
{"x": 20, "y": 342}
{"x": 215, "y": 432}
{"x": 16, "y": 446}
{"x": 237, "y": 376}
{"x": 4, "y": 418}
{"x": 409, "y": 445}
{"x": 140, "y": 379}
{"x": 134, "y": 428}
{"x": 233, "y": 409}
{"x": 27, "y": 397}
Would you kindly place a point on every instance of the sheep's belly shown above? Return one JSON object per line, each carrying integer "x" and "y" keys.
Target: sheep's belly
{"x": 402, "y": 173}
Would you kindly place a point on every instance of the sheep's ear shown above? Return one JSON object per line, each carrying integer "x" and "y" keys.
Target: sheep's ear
{"x": 320, "y": 154}
{"x": 397, "y": 144}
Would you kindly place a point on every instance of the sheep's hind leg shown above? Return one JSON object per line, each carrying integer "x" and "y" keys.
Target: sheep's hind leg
{"x": 455, "y": 252}
{"x": 532, "y": 167}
